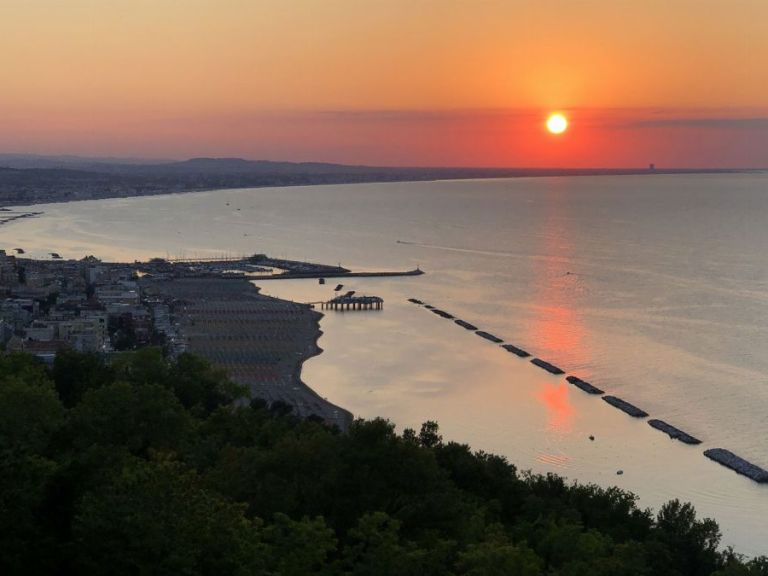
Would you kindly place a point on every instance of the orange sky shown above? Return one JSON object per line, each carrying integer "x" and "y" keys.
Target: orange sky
{"x": 676, "y": 82}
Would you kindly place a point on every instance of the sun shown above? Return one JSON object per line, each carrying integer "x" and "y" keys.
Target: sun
{"x": 557, "y": 123}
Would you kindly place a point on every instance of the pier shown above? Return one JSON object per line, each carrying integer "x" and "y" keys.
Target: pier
{"x": 353, "y": 303}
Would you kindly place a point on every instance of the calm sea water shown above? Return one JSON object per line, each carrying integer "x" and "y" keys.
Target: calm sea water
{"x": 655, "y": 288}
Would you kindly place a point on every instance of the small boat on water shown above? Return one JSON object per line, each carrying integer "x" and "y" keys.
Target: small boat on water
{"x": 55, "y": 256}
{"x": 19, "y": 250}
{"x": 321, "y": 281}
{"x": 338, "y": 287}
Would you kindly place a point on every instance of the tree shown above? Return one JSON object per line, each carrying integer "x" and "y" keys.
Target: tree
{"x": 200, "y": 387}
{"x": 692, "y": 542}
{"x": 429, "y": 436}
{"x": 30, "y": 416}
{"x": 496, "y": 555}
{"x": 75, "y": 373}
{"x": 133, "y": 417}
{"x": 154, "y": 518}
{"x": 299, "y": 548}
{"x": 375, "y": 549}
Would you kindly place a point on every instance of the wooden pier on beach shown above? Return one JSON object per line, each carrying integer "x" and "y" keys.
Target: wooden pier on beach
{"x": 348, "y": 302}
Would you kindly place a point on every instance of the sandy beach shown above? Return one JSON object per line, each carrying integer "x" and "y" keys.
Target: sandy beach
{"x": 262, "y": 342}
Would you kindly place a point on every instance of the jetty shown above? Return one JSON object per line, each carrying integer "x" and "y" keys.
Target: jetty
{"x": 583, "y": 385}
{"x": 489, "y": 336}
{"x": 515, "y": 350}
{"x": 340, "y": 274}
{"x": 737, "y": 464}
{"x": 551, "y": 368}
{"x": 672, "y": 432}
{"x": 350, "y": 302}
{"x": 625, "y": 406}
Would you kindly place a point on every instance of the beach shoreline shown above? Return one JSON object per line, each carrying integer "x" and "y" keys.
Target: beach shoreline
{"x": 261, "y": 341}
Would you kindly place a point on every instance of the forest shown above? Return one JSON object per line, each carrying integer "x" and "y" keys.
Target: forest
{"x": 150, "y": 466}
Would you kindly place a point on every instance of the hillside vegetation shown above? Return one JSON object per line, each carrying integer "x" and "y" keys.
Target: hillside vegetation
{"x": 146, "y": 467}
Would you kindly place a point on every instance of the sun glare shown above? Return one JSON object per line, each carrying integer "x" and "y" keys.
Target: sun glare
{"x": 557, "y": 123}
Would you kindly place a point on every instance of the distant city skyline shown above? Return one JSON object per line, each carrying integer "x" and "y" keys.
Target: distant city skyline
{"x": 432, "y": 83}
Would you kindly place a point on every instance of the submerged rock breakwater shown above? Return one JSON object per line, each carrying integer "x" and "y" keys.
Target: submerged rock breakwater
{"x": 720, "y": 455}
{"x": 583, "y": 385}
{"x": 672, "y": 432}
{"x": 737, "y": 464}
{"x": 551, "y": 368}
{"x": 625, "y": 406}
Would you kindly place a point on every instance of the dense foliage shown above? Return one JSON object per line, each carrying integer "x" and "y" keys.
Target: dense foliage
{"x": 145, "y": 467}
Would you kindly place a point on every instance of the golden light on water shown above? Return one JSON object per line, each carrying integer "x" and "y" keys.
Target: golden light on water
{"x": 557, "y": 123}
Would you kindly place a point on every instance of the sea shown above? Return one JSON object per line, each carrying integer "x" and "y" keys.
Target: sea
{"x": 652, "y": 287}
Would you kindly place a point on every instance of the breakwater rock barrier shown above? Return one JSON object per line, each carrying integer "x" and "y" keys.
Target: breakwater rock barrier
{"x": 443, "y": 314}
{"x": 551, "y": 368}
{"x": 737, "y": 464}
{"x": 515, "y": 350}
{"x": 489, "y": 336}
{"x": 625, "y": 406}
{"x": 672, "y": 432}
{"x": 583, "y": 385}
{"x": 719, "y": 455}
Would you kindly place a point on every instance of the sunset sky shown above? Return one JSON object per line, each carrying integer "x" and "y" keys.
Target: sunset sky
{"x": 412, "y": 82}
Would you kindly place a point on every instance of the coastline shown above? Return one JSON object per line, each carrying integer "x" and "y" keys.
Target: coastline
{"x": 344, "y": 417}
{"x": 469, "y": 174}
{"x": 261, "y": 341}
